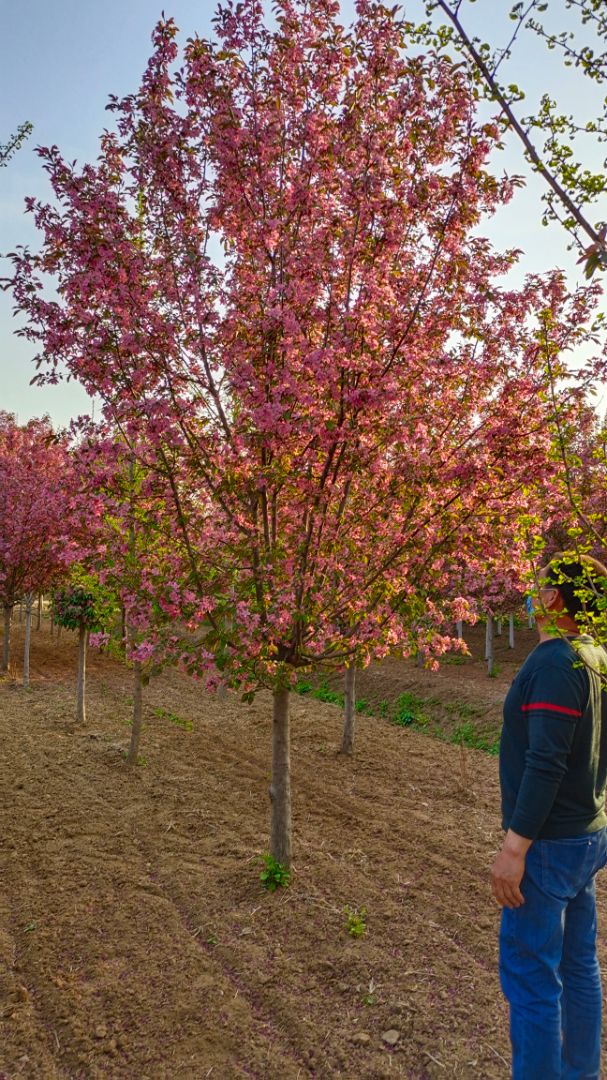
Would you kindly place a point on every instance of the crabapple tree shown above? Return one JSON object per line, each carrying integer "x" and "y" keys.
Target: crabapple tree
{"x": 34, "y": 518}
{"x": 275, "y": 278}
{"x": 131, "y": 550}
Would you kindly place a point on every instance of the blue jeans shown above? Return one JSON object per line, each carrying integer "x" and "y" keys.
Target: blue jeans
{"x": 548, "y": 964}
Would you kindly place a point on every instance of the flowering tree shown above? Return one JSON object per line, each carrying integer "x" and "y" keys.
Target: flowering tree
{"x": 332, "y": 401}
{"x": 34, "y": 523}
{"x": 131, "y": 550}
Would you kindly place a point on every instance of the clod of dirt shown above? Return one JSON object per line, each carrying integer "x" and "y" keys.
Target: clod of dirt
{"x": 361, "y": 1037}
{"x": 100, "y": 1031}
{"x": 391, "y": 1037}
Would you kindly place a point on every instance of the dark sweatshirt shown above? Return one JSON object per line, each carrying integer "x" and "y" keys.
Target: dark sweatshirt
{"x": 553, "y": 750}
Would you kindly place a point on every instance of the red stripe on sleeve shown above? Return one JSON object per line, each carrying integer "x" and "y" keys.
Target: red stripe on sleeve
{"x": 552, "y": 708}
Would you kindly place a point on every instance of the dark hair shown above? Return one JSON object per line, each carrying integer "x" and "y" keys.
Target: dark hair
{"x": 582, "y": 583}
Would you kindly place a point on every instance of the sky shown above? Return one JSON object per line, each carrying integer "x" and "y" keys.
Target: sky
{"x": 59, "y": 61}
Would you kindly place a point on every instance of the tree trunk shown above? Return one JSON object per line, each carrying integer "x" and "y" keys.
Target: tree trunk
{"x": 29, "y": 603}
{"x": 459, "y": 629}
{"x": 347, "y": 741}
{"x": 137, "y": 713}
{"x": 511, "y": 631}
{"x": 39, "y": 615}
{"x": 280, "y": 788}
{"x": 81, "y": 684}
{"x": 498, "y": 627}
{"x": 530, "y": 620}
{"x": 489, "y": 644}
{"x": 6, "y": 645}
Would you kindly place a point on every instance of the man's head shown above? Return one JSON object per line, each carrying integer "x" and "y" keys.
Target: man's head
{"x": 570, "y": 589}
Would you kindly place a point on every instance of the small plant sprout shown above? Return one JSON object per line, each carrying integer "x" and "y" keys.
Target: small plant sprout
{"x": 173, "y": 718}
{"x": 356, "y": 921}
{"x": 274, "y": 874}
{"x": 141, "y": 761}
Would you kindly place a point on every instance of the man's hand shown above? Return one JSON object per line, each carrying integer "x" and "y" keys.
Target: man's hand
{"x": 508, "y": 869}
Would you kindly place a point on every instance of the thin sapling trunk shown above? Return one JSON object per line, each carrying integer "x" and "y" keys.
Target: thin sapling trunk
{"x": 347, "y": 742}
{"x": 29, "y": 603}
{"x": 39, "y": 613}
{"x": 6, "y": 644}
{"x": 280, "y": 787}
{"x": 83, "y": 636}
{"x": 137, "y": 713}
{"x": 489, "y": 654}
{"x": 511, "y": 631}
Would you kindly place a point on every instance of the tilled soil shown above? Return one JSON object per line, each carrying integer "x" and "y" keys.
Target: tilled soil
{"x": 136, "y": 942}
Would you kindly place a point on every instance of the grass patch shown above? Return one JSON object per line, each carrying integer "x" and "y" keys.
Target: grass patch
{"x": 466, "y": 735}
{"x": 173, "y": 718}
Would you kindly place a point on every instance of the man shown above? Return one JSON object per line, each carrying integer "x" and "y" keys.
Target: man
{"x": 553, "y": 771}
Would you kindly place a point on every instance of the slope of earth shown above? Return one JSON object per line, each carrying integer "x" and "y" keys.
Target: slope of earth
{"x": 136, "y": 941}
{"x": 460, "y": 698}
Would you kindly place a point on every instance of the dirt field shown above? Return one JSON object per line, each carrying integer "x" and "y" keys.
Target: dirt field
{"x": 136, "y": 941}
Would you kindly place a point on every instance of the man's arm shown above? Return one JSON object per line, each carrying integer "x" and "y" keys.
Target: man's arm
{"x": 508, "y": 869}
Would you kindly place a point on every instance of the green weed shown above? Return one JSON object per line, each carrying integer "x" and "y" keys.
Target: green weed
{"x": 408, "y": 711}
{"x": 332, "y": 697}
{"x": 463, "y": 709}
{"x": 465, "y": 735}
{"x": 274, "y": 875}
{"x": 173, "y": 718}
{"x": 142, "y": 761}
{"x": 356, "y": 921}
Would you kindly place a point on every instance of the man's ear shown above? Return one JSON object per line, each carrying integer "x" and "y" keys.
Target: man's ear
{"x": 557, "y": 603}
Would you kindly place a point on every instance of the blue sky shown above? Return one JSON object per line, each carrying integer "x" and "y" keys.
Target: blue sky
{"x": 59, "y": 61}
